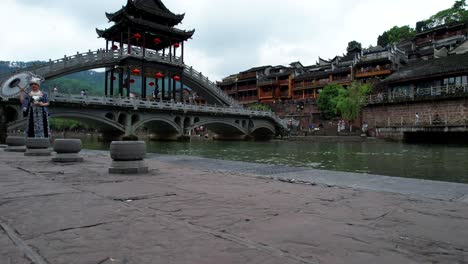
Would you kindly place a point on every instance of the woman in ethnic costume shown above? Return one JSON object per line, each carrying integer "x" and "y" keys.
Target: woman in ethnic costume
{"x": 35, "y": 109}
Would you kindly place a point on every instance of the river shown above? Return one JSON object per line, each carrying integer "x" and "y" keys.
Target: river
{"x": 423, "y": 161}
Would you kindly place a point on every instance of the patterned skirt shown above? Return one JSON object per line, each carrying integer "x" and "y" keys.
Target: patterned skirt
{"x": 38, "y": 123}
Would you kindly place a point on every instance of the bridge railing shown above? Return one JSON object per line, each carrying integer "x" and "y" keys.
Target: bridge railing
{"x": 97, "y": 55}
{"x": 419, "y": 94}
{"x": 148, "y": 104}
{"x": 211, "y": 85}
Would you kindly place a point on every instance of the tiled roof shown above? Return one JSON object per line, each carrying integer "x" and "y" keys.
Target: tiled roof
{"x": 431, "y": 68}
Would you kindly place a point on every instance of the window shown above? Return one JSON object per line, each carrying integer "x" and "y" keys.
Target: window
{"x": 451, "y": 81}
{"x": 465, "y": 79}
{"x": 458, "y": 80}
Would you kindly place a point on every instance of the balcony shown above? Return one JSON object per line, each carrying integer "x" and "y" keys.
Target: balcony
{"x": 283, "y": 82}
{"x": 420, "y": 94}
{"x": 374, "y": 71}
{"x": 266, "y": 82}
{"x": 342, "y": 80}
{"x": 230, "y": 91}
{"x": 247, "y": 99}
{"x": 249, "y": 75}
{"x": 375, "y": 56}
{"x": 249, "y": 87}
{"x": 264, "y": 95}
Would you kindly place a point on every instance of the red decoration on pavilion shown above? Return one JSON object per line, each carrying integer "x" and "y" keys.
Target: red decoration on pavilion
{"x": 157, "y": 40}
{"x": 176, "y": 78}
{"x": 115, "y": 47}
{"x": 151, "y": 84}
{"x": 137, "y": 36}
{"x": 176, "y": 45}
{"x": 132, "y": 81}
{"x": 136, "y": 71}
{"x": 159, "y": 75}
{"x": 114, "y": 78}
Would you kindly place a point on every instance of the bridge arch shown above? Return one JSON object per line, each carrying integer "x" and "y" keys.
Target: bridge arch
{"x": 102, "y": 123}
{"x": 263, "y": 132}
{"x": 221, "y": 127}
{"x": 165, "y": 128}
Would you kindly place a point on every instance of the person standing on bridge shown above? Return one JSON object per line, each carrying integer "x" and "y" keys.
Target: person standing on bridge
{"x": 35, "y": 109}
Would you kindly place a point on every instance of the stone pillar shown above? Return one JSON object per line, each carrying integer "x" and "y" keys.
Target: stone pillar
{"x": 15, "y": 144}
{"x": 37, "y": 147}
{"x": 128, "y": 157}
{"x": 67, "y": 150}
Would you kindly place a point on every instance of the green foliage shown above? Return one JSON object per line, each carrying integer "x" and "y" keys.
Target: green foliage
{"x": 62, "y": 124}
{"x": 395, "y": 34}
{"x": 350, "y": 101}
{"x": 456, "y": 14}
{"x": 326, "y": 100}
{"x": 259, "y": 107}
{"x": 353, "y": 44}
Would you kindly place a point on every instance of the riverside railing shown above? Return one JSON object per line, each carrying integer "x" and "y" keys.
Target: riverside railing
{"x": 419, "y": 94}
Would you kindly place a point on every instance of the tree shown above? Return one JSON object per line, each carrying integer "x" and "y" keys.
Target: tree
{"x": 395, "y": 34}
{"x": 456, "y": 14}
{"x": 349, "y": 102}
{"x": 326, "y": 100}
{"x": 259, "y": 107}
{"x": 353, "y": 44}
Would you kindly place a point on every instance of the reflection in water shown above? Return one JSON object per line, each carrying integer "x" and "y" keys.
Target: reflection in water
{"x": 434, "y": 162}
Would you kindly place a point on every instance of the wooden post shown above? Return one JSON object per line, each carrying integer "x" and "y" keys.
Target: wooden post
{"x": 181, "y": 85}
{"x": 106, "y": 82}
{"x": 174, "y": 95}
{"x": 112, "y": 82}
{"x": 163, "y": 87}
{"x": 143, "y": 81}
{"x": 144, "y": 44}
{"x": 121, "y": 76}
{"x": 170, "y": 53}
{"x": 121, "y": 43}
{"x": 182, "y": 55}
{"x": 128, "y": 81}
{"x": 129, "y": 48}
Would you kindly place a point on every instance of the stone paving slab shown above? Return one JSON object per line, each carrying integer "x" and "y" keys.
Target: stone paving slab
{"x": 9, "y": 253}
{"x": 418, "y": 187}
{"x": 188, "y": 212}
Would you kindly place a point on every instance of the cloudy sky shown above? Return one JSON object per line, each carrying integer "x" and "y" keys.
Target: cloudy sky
{"x": 231, "y": 35}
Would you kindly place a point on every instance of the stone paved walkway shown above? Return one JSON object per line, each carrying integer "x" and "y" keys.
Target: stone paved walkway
{"x": 184, "y": 213}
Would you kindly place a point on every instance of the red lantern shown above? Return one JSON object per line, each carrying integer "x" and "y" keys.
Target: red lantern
{"x": 137, "y": 36}
{"x": 132, "y": 81}
{"x": 159, "y": 75}
{"x": 114, "y": 78}
{"x": 136, "y": 71}
{"x": 151, "y": 84}
{"x": 177, "y": 78}
{"x": 176, "y": 45}
{"x": 115, "y": 47}
{"x": 157, "y": 40}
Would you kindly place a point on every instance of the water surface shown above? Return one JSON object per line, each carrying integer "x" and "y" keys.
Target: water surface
{"x": 434, "y": 162}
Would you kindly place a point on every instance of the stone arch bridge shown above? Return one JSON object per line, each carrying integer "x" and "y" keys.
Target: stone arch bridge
{"x": 166, "y": 120}
{"x": 114, "y": 58}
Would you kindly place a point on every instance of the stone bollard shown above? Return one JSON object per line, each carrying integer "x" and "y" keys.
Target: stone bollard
{"x": 128, "y": 157}
{"x": 67, "y": 150}
{"x": 38, "y": 147}
{"x": 15, "y": 144}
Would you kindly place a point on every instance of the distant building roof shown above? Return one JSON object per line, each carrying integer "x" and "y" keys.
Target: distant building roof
{"x": 255, "y": 69}
{"x": 430, "y": 68}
